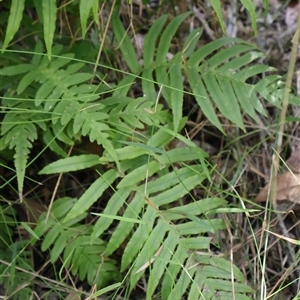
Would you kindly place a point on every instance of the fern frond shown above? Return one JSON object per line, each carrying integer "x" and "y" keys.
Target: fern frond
{"x": 218, "y": 74}
{"x": 156, "y": 241}
{"x": 20, "y": 138}
{"x": 62, "y": 91}
{"x": 72, "y": 242}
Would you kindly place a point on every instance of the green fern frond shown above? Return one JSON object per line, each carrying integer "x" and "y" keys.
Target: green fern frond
{"x": 72, "y": 242}
{"x": 19, "y": 129}
{"x": 217, "y": 74}
{"x": 156, "y": 241}
{"x": 88, "y": 261}
{"x": 61, "y": 90}
{"x": 20, "y": 138}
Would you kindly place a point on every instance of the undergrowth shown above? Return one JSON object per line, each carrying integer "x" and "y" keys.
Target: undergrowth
{"x": 139, "y": 220}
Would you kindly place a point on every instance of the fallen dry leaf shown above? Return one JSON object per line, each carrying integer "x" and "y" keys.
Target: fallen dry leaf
{"x": 294, "y": 161}
{"x": 287, "y": 188}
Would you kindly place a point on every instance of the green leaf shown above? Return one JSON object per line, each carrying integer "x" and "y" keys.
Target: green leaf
{"x": 29, "y": 230}
{"x": 167, "y": 36}
{"x": 70, "y": 110}
{"x": 166, "y": 197}
{"x": 39, "y": 9}
{"x": 221, "y": 96}
{"x": 196, "y": 243}
{"x": 243, "y": 96}
{"x": 164, "y": 135}
{"x": 49, "y": 15}
{"x": 199, "y": 225}
{"x": 92, "y": 194}
{"x": 95, "y": 9}
{"x": 61, "y": 207}
{"x": 124, "y": 228}
{"x": 191, "y": 42}
{"x": 160, "y": 263}
{"x": 199, "y": 207}
{"x": 150, "y": 40}
{"x": 76, "y": 79}
{"x": 15, "y": 70}
{"x": 51, "y": 236}
{"x": 248, "y": 4}
{"x": 225, "y": 55}
{"x": 50, "y": 141}
{"x": 140, "y": 174}
{"x": 176, "y": 93}
{"x": 84, "y": 10}
{"x": 70, "y": 164}
{"x": 123, "y": 219}
{"x": 151, "y": 245}
{"x": 44, "y": 91}
{"x": 38, "y": 50}
{"x": 125, "y": 44}
{"x": 148, "y": 85}
{"x": 59, "y": 246}
{"x": 14, "y": 20}
{"x": 108, "y": 146}
{"x": 162, "y": 50}
{"x": 124, "y": 86}
{"x": 27, "y": 80}
{"x": 61, "y": 135}
{"x": 182, "y": 154}
{"x": 250, "y": 71}
{"x": 243, "y": 60}
{"x": 197, "y": 57}
{"x": 116, "y": 202}
{"x": 216, "y": 4}
{"x": 202, "y": 97}
{"x": 173, "y": 271}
